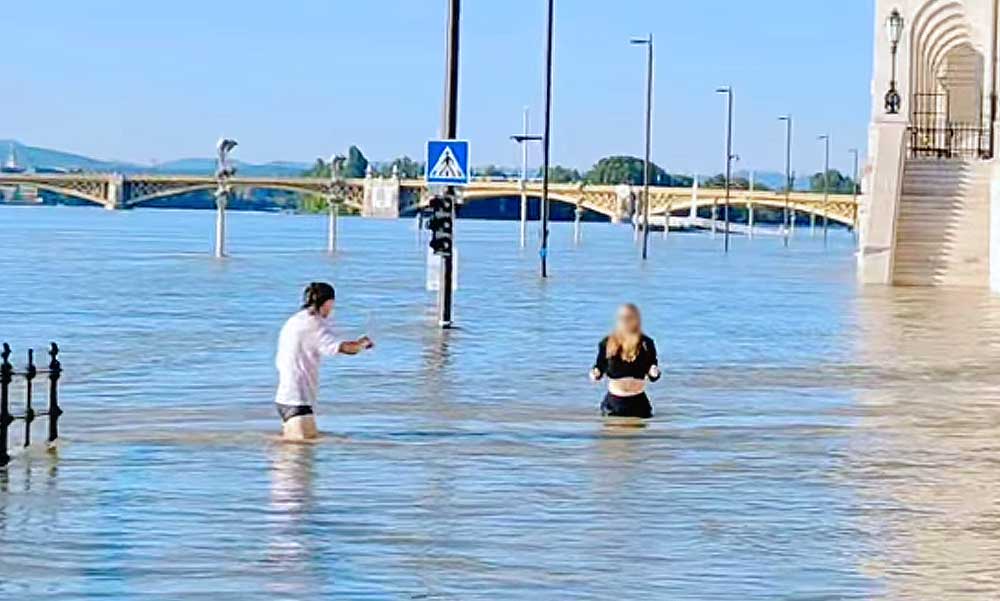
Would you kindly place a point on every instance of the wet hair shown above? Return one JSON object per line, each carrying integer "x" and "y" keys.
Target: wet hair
{"x": 316, "y": 294}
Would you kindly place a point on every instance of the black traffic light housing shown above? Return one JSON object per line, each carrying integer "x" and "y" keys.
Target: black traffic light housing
{"x": 440, "y": 224}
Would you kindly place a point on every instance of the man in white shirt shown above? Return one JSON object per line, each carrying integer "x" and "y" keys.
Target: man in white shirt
{"x": 305, "y": 338}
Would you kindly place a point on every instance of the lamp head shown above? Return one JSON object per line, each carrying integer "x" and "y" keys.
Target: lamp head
{"x": 894, "y": 27}
{"x": 724, "y": 90}
{"x": 225, "y": 145}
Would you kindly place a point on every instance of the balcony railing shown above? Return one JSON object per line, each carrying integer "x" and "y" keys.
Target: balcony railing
{"x": 950, "y": 141}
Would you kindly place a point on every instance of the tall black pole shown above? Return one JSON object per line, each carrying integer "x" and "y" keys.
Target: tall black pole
{"x": 647, "y": 167}
{"x": 450, "y": 127}
{"x": 544, "y": 251}
{"x": 729, "y": 165}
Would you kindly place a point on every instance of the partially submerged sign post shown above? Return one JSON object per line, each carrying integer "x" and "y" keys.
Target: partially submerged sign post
{"x": 448, "y": 166}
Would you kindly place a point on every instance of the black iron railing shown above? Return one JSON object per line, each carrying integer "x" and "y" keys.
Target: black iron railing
{"x": 30, "y": 372}
{"x": 950, "y": 141}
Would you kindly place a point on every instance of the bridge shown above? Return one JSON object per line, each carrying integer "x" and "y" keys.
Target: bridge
{"x": 392, "y": 197}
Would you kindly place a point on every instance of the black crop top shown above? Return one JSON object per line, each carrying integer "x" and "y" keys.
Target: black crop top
{"x": 616, "y": 367}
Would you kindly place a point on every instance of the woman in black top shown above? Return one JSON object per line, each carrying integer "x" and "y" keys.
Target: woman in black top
{"x": 627, "y": 357}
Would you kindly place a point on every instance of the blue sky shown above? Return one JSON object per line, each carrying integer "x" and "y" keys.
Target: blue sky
{"x": 297, "y": 79}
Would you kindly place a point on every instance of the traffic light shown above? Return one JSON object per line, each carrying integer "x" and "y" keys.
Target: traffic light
{"x": 440, "y": 224}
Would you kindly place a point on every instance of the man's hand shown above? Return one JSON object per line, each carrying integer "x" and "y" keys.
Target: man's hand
{"x": 366, "y": 342}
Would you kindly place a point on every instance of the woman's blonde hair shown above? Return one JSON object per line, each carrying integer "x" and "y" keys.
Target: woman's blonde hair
{"x": 625, "y": 344}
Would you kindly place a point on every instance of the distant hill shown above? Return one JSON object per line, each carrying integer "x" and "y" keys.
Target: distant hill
{"x": 44, "y": 158}
{"x": 34, "y": 157}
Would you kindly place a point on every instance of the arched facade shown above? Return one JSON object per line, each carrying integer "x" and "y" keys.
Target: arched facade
{"x": 930, "y": 169}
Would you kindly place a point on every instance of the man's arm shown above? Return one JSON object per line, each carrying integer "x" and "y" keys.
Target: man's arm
{"x": 353, "y": 347}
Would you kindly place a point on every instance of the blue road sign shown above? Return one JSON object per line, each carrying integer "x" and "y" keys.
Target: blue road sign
{"x": 448, "y": 162}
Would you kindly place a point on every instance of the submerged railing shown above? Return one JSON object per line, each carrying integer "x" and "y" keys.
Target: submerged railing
{"x": 30, "y": 372}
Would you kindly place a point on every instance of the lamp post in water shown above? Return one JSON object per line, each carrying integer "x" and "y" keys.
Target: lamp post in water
{"x": 646, "y": 167}
{"x": 333, "y": 203}
{"x": 223, "y": 172}
{"x": 825, "y": 138}
{"x": 543, "y": 252}
{"x": 854, "y": 190}
{"x": 522, "y": 139}
{"x": 788, "y": 173}
{"x": 728, "y": 91}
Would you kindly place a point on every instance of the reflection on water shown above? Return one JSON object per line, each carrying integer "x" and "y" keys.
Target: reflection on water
{"x": 926, "y": 453}
{"x": 812, "y": 440}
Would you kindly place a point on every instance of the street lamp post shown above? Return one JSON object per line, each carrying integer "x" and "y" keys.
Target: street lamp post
{"x": 788, "y": 173}
{"x": 223, "y": 172}
{"x": 728, "y": 91}
{"x": 894, "y": 29}
{"x": 825, "y": 138}
{"x": 336, "y": 188}
{"x": 522, "y": 139}
{"x": 647, "y": 168}
{"x": 543, "y": 251}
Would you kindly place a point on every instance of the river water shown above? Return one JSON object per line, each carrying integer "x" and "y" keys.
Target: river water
{"x": 813, "y": 440}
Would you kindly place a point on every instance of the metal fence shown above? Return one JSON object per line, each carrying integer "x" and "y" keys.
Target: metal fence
{"x": 951, "y": 141}
{"x": 28, "y": 374}
{"x": 933, "y": 135}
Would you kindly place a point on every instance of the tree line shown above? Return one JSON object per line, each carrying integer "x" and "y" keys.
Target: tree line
{"x": 613, "y": 170}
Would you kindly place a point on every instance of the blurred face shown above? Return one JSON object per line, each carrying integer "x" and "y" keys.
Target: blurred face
{"x": 326, "y": 309}
{"x": 627, "y": 321}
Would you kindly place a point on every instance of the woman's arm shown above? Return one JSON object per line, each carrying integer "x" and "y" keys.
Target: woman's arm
{"x": 601, "y": 362}
{"x": 654, "y": 363}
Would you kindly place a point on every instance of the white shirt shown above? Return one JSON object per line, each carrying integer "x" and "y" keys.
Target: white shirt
{"x": 303, "y": 341}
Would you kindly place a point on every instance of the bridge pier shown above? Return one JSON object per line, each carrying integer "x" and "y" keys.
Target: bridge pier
{"x": 577, "y": 214}
{"x": 116, "y": 192}
{"x": 750, "y": 219}
{"x": 812, "y": 225}
{"x": 381, "y": 197}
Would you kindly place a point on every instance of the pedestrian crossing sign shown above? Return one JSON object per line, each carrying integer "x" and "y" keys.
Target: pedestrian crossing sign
{"x": 448, "y": 162}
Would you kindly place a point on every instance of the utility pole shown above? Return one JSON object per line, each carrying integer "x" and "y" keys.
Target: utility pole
{"x": 546, "y": 142}
{"x": 450, "y": 131}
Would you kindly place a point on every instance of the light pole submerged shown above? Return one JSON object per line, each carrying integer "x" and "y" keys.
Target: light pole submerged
{"x": 523, "y": 139}
{"x": 825, "y": 138}
{"x": 543, "y": 251}
{"x": 728, "y": 91}
{"x": 223, "y": 172}
{"x": 647, "y": 167}
{"x": 854, "y": 190}
{"x": 336, "y": 188}
{"x": 788, "y": 174}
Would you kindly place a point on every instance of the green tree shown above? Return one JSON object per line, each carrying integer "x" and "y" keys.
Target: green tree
{"x": 839, "y": 183}
{"x": 563, "y": 175}
{"x": 489, "y": 171}
{"x": 629, "y": 170}
{"x": 737, "y": 183}
{"x": 408, "y": 168}
{"x": 357, "y": 164}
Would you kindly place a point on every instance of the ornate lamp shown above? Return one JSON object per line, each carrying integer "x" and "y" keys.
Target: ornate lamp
{"x": 894, "y": 29}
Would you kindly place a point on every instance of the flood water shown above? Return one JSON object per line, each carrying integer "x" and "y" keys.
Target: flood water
{"x": 813, "y": 440}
